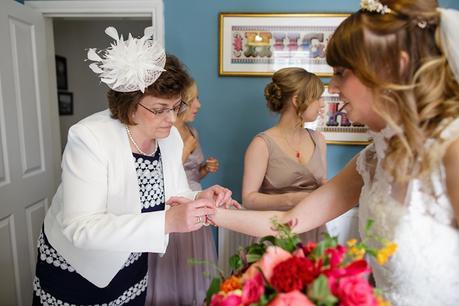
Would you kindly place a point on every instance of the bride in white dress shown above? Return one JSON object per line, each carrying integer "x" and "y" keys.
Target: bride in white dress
{"x": 396, "y": 67}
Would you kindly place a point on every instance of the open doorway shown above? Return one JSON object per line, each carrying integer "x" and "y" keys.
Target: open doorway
{"x": 80, "y": 93}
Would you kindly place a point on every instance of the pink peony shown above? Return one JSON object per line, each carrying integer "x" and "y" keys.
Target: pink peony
{"x": 353, "y": 291}
{"x": 271, "y": 258}
{"x": 231, "y": 300}
{"x": 293, "y": 298}
{"x": 216, "y": 299}
{"x": 253, "y": 289}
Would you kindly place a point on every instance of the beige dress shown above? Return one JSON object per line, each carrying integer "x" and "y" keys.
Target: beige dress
{"x": 284, "y": 174}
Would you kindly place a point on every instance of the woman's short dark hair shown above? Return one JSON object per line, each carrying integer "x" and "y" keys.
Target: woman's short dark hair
{"x": 171, "y": 83}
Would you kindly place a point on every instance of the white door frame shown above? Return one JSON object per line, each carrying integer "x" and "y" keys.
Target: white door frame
{"x": 105, "y": 8}
{"x": 90, "y": 9}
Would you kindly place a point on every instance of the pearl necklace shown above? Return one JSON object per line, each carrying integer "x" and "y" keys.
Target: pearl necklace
{"x": 137, "y": 147}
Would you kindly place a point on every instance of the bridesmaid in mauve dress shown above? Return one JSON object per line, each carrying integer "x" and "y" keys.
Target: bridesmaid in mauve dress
{"x": 287, "y": 162}
{"x": 172, "y": 280}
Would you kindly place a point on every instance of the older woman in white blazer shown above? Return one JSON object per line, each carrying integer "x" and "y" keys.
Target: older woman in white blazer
{"x": 119, "y": 169}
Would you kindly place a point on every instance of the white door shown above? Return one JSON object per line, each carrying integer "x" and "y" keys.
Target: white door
{"x": 27, "y": 176}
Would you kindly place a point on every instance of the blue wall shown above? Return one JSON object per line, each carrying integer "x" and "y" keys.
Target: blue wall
{"x": 234, "y": 108}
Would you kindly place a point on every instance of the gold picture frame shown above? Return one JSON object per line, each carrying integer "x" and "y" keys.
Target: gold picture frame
{"x": 336, "y": 126}
{"x": 257, "y": 44}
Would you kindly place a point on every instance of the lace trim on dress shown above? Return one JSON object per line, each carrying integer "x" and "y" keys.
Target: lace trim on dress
{"x": 128, "y": 295}
{"x": 427, "y": 196}
{"x": 51, "y": 256}
{"x": 150, "y": 179}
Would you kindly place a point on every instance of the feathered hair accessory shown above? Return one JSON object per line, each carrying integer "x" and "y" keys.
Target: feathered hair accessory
{"x": 128, "y": 65}
{"x": 374, "y": 6}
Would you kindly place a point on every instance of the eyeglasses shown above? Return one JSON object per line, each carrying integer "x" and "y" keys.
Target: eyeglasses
{"x": 163, "y": 112}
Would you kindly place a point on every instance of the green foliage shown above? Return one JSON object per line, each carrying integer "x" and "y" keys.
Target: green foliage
{"x": 320, "y": 293}
{"x": 328, "y": 242}
{"x": 235, "y": 262}
{"x": 213, "y": 289}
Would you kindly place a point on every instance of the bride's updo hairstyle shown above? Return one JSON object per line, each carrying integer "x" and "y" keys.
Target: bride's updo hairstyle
{"x": 418, "y": 98}
{"x": 288, "y": 82}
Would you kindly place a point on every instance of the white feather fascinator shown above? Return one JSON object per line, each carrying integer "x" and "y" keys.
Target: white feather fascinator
{"x": 128, "y": 65}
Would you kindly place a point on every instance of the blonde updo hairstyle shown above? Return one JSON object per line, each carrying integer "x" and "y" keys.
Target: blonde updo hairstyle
{"x": 418, "y": 99}
{"x": 288, "y": 82}
{"x": 188, "y": 95}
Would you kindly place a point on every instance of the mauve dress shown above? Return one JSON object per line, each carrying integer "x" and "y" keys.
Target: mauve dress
{"x": 171, "y": 280}
{"x": 284, "y": 174}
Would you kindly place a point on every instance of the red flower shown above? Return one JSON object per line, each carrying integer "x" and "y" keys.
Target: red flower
{"x": 293, "y": 298}
{"x": 293, "y": 274}
{"x": 356, "y": 268}
{"x": 268, "y": 261}
{"x": 336, "y": 255}
{"x": 253, "y": 290}
{"x": 307, "y": 249}
{"x": 354, "y": 291}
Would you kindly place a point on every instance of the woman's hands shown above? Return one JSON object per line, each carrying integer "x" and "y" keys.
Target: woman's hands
{"x": 221, "y": 196}
{"x": 186, "y": 215}
{"x": 210, "y": 165}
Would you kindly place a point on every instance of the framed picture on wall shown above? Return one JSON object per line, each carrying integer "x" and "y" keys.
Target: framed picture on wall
{"x": 336, "y": 126}
{"x": 65, "y": 100}
{"x": 61, "y": 73}
{"x": 258, "y": 44}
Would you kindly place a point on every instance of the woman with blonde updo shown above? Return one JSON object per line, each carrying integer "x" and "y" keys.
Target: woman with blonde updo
{"x": 286, "y": 162}
{"x": 396, "y": 67}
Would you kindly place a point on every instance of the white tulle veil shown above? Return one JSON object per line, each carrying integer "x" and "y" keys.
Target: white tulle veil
{"x": 449, "y": 27}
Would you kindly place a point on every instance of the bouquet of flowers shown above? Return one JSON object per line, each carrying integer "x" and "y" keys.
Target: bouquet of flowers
{"x": 282, "y": 271}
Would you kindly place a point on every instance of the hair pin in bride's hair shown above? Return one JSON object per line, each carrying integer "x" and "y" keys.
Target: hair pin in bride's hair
{"x": 374, "y": 6}
{"x": 129, "y": 65}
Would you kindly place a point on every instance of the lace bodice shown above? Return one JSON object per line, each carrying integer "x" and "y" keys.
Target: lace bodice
{"x": 425, "y": 268}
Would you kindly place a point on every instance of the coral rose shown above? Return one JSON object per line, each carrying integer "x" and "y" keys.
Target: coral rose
{"x": 268, "y": 261}
{"x": 293, "y": 298}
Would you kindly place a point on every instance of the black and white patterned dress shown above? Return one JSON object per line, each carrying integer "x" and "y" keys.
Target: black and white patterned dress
{"x": 57, "y": 283}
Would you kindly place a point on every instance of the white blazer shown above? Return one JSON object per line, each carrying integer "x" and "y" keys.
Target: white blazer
{"x": 94, "y": 221}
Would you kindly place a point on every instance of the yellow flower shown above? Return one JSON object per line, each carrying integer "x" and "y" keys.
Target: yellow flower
{"x": 351, "y": 243}
{"x": 381, "y": 301}
{"x": 383, "y": 254}
{"x": 382, "y": 257}
{"x": 391, "y": 248}
{"x": 357, "y": 252}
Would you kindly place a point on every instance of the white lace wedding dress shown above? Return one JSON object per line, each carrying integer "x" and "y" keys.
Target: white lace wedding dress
{"x": 425, "y": 268}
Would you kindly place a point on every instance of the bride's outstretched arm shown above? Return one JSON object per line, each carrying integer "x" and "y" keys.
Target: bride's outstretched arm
{"x": 329, "y": 201}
